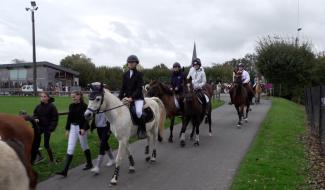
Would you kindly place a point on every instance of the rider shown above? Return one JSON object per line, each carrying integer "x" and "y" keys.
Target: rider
{"x": 198, "y": 79}
{"x": 246, "y": 80}
{"x": 176, "y": 81}
{"x": 131, "y": 91}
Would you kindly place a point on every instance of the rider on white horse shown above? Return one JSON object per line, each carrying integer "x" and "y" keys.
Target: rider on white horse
{"x": 131, "y": 92}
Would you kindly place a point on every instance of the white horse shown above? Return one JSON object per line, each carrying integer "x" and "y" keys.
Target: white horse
{"x": 13, "y": 174}
{"x": 101, "y": 100}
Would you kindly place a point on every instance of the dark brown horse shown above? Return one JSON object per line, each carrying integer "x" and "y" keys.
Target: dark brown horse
{"x": 195, "y": 111}
{"x": 15, "y": 128}
{"x": 163, "y": 92}
{"x": 240, "y": 99}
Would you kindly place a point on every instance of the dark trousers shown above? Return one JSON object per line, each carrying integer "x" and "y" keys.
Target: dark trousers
{"x": 47, "y": 136}
{"x": 103, "y": 134}
{"x": 36, "y": 142}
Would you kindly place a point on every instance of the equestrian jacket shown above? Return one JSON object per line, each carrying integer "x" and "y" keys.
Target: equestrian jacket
{"x": 47, "y": 115}
{"x": 198, "y": 78}
{"x": 245, "y": 77}
{"x": 177, "y": 80}
{"x": 76, "y": 116}
{"x": 192, "y": 70}
{"x": 132, "y": 85}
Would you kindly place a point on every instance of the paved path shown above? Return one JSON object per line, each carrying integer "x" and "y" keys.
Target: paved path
{"x": 210, "y": 166}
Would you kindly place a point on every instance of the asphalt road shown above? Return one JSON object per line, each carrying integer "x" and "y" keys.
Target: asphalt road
{"x": 210, "y": 166}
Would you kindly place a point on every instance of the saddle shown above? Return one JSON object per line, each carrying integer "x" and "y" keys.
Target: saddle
{"x": 147, "y": 113}
{"x": 202, "y": 97}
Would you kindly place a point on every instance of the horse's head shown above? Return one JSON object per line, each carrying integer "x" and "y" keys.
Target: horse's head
{"x": 188, "y": 90}
{"x": 238, "y": 79}
{"x": 96, "y": 99}
{"x": 158, "y": 89}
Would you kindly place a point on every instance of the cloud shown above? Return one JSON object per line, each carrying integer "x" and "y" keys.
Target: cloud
{"x": 107, "y": 31}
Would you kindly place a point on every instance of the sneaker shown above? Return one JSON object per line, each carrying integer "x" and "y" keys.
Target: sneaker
{"x": 110, "y": 162}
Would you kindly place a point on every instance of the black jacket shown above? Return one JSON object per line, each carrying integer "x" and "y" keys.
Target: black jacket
{"x": 132, "y": 87}
{"x": 76, "y": 116}
{"x": 48, "y": 117}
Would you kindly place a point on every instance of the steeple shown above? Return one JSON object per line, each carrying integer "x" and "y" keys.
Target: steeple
{"x": 194, "y": 53}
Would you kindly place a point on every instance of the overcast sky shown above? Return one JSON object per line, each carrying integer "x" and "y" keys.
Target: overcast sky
{"x": 163, "y": 31}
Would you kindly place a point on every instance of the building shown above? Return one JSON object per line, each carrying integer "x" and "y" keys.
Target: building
{"x": 50, "y": 77}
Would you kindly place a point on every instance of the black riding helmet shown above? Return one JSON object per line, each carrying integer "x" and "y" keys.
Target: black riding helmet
{"x": 132, "y": 58}
{"x": 176, "y": 64}
{"x": 196, "y": 61}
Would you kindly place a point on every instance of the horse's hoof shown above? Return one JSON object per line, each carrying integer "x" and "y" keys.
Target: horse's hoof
{"x": 238, "y": 126}
{"x": 210, "y": 134}
{"x": 182, "y": 143}
{"x": 191, "y": 138}
{"x": 153, "y": 160}
{"x": 131, "y": 170}
{"x": 113, "y": 181}
{"x": 197, "y": 143}
{"x": 148, "y": 159}
{"x": 246, "y": 120}
{"x": 170, "y": 139}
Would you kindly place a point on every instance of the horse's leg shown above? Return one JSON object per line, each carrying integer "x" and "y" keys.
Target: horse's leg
{"x": 182, "y": 135}
{"x": 197, "y": 130}
{"x": 192, "y": 133}
{"x": 131, "y": 160}
{"x": 146, "y": 151}
{"x": 171, "y": 127}
{"x": 239, "y": 116}
{"x": 153, "y": 141}
{"x": 209, "y": 119}
{"x": 122, "y": 148}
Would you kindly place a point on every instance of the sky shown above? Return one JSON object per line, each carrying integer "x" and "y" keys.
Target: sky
{"x": 157, "y": 31}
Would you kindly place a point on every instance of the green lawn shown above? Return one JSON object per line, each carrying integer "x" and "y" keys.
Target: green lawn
{"x": 276, "y": 159}
{"x": 58, "y": 140}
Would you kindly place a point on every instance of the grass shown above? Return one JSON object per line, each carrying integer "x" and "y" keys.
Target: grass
{"x": 58, "y": 142}
{"x": 276, "y": 159}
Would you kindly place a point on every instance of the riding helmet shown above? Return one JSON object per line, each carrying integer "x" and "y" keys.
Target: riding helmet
{"x": 132, "y": 58}
{"x": 176, "y": 64}
{"x": 240, "y": 64}
{"x": 197, "y": 61}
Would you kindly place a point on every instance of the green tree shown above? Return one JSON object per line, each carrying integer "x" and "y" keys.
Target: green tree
{"x": 288, "y": 66}
{"x": 82, "y": 64}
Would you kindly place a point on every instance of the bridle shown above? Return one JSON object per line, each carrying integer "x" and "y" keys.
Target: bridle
{"x": 93, "y": 95}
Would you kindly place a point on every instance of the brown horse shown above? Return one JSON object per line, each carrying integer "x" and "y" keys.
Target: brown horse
{"x": 195, "y": 111}
{"x": 15, "y": 128}
{"x": 258, "y": 90}
{"x": 163, "y": 92}
{"x": 240, "y": 99}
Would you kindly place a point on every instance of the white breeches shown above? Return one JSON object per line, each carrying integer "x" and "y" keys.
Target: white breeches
{"x": 73, "y": 138}
{"x": 138, "y": 107}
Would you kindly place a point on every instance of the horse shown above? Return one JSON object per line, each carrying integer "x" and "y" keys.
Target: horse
{"x": 13, "y": 174}
{"x": 119, "y": 116}
{"x": 194, "y": 110}
{"x": 258, "y": 90}
{"x": 15, "y": 127}
{"x": 169, "y": 99}
{"x": 240, "y": 99}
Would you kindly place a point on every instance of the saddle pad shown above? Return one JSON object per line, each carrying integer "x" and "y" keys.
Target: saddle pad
{"x": 146, "y": 112}
{"x": 176, "y": 102}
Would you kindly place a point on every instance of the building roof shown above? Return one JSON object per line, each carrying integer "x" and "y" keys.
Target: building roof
{"x": 41, "y": 63}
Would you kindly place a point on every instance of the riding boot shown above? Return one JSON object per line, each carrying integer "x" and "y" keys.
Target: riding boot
{"x": 89, "y": 164}
{"x": 50, "y": 153}
{"x": 64, "y": 172}
{"x": 142, "y": 132}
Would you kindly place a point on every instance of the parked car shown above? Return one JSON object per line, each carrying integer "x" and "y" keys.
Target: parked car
{"x": 28, "y": 89}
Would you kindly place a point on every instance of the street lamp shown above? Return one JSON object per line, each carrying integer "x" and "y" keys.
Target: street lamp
{"x": 32, "y": 9}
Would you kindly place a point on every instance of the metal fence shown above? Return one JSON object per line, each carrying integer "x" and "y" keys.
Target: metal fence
{"x": 315, "y": 108}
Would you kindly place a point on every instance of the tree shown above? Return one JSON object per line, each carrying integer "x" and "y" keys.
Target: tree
{"x": 82, "y": 64}
{"x": 286, "y": 65}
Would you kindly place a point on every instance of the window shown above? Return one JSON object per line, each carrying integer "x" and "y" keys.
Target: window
{"x": 18, "y": 74}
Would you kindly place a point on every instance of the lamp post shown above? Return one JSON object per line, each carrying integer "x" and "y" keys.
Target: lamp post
{"x": 32, "y": 9}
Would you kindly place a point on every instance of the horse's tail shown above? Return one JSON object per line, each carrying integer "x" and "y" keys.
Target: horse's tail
{"x": 162, "y": 118}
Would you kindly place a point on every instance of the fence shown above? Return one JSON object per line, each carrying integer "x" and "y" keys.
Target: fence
{"x": 315, "y": 108}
